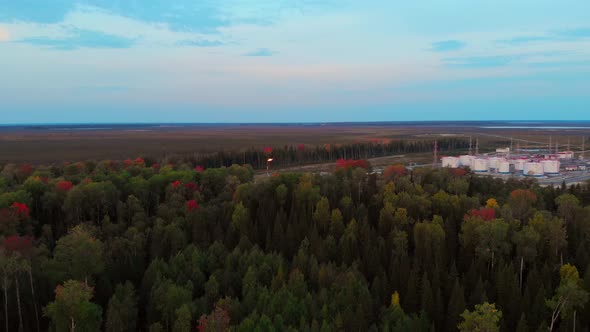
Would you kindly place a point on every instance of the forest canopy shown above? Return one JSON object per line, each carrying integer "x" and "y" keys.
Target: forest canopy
{"x": 140, "y": 246}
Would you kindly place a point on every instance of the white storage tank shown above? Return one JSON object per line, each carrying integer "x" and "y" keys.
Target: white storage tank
{"x": 550, "y": 166}
{"x": 495, "y": 162}
{"x": 519, "y": 165}
{"x": 504, "y": 167}
{"x": 466, "y": 160}
{"x": 566, "y": 155}
{"x": 451, "y": 162}
{"x": 533, "y": 169}
{"x": 480, "y": 165}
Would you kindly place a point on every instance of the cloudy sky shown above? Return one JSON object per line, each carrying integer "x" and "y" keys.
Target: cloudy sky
{"x": 293, "y": 60}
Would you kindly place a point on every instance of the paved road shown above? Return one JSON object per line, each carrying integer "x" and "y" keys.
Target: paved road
{"x": 569, "y": 178}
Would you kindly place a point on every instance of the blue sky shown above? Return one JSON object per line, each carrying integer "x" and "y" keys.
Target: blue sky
{"x": 293, "y": 60}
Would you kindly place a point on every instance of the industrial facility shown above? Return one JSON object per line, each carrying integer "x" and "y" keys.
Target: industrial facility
{"x": 539, "y": 163}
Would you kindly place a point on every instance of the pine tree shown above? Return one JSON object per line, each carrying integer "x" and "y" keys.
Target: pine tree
{"x": 412, "y": 295}
{"x": 455, "y": 307}
{"x": 439, "y": 312}
{"x": 522, "y": 324}
{"x": 538, "y": 310}
{"x": 427, "y": 301}
{"x": 477, "y": 295}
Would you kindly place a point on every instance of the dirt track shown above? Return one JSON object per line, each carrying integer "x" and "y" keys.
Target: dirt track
{"x": 328, "y": 167}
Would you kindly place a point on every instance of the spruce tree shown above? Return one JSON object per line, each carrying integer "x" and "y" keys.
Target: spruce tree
{"x": 427, "y": 301}
{"x": 455, "y": 307}
{"x": 522, "y": 325}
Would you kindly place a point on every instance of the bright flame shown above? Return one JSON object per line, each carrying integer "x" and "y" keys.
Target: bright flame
{"x": 269, "y": 160}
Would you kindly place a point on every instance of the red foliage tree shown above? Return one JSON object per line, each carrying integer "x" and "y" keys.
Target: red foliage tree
{"x": 26, "y": 170}
{"x": 128, "y": 162}
{"x": 300, "y": 147}
{"x": 394, "y": 170}
{"x": 156, "y": 166}
{"x": 351, "y": 163}
{"x": 192, "y": 205}
{"x": 18, "y": 243}
{"x": 458, "y": 171}
{"x": 216, "y": 321}
{"x": 139, "y": 161}
{"x": 20, "y": 209}
{"x": 199, "y": 169}
{"x": 176, "y": 184}
{"x": 486, "y": 214}
{"x": 64, "y": 186}
{"x": 267, "y": 149}
{"x": 523, "y": 195}
{"x": 191, "y": 187}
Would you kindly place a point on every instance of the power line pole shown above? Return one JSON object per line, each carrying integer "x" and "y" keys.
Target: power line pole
{"x": 477, "y": 146}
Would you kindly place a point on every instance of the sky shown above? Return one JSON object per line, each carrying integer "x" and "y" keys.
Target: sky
{"x": 107, "y": 61}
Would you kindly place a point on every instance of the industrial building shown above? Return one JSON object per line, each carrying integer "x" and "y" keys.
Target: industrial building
{"x": 531, "y": 164}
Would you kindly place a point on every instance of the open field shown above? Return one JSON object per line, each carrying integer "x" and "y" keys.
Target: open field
{"x": 46, "y": 144}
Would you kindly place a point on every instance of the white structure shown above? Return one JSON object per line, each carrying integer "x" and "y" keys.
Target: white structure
{"x": 566, "y": 155}
{"x": 466, "y": 160}
{"x": 494, "y": 162}
{"x": 519, "y": 165}
{"x": 480, "y": 165}
{"x": 451, "y": 162}
{"x": 505, "y": 150}
{"x": 504, "y": 167}
{"x": 550, "y": 166}
{"x": 533, "y": 169}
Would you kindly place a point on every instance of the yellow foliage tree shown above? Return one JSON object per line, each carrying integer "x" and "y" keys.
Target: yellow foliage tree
{"x": 395, "y": 299}
{"x": 491, "y": 203}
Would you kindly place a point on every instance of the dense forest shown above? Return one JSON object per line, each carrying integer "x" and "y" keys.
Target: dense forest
{"x": 138, "y": 246}
{"x": 289, "y": 155}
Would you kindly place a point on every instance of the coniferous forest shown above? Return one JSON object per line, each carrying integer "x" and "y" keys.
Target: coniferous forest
{"x": 139, "y": 246}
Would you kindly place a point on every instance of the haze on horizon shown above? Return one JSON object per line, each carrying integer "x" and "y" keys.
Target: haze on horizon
{"x": 293, "y": 61}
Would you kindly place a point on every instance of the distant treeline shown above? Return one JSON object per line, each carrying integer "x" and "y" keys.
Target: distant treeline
{"x": 304, "y": 154}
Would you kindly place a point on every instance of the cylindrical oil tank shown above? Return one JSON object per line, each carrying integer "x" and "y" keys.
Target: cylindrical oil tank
{"x": 533, "y": 169}
{"x": 480, "y": 165}
{"x": 466, "y": 160}
{"x": 495, "y": 162}
{"x": 550, "y": 166}
{"x": 504, "y": 167}
{"x": 451, "y": 162}
{"x": 519, "y": 165}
